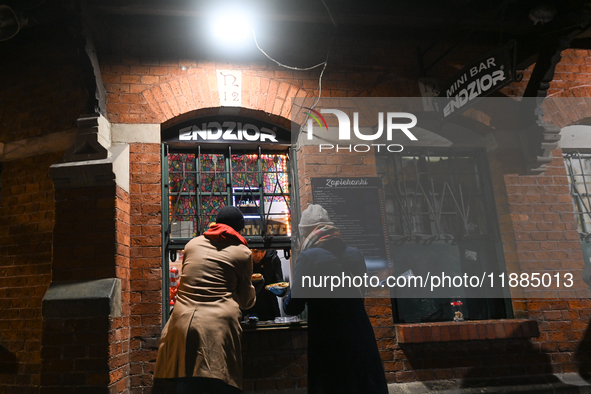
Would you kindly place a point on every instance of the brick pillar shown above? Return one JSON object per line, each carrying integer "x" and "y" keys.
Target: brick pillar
{"x": 76, "y": 331}
{"x": 539, "y": 234}
{"x": 85, "y": 338}
{"x": 145, "y": 263}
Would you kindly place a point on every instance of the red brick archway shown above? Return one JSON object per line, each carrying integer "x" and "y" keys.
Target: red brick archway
{"x": 569, "y": 107}
{"x": 196, "y": 93}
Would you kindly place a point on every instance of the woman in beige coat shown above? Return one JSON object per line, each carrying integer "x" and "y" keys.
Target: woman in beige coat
{"x": 201, "y": 343}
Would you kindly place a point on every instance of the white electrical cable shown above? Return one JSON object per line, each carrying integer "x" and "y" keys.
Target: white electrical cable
{"x": 329, "y": 14}
{"x": 281, "y": 64}
{"x": 323, "y": 64}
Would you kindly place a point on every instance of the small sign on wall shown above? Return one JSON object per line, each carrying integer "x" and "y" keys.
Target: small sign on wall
{"x": 477, "y": 80}
{"x": 230, "y": 87}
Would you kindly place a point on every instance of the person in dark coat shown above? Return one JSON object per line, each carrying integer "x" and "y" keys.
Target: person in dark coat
{"x": 342, "y": 352}
{"x": 268, "y": 264}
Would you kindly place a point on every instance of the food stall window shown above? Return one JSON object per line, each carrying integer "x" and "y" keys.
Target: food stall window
{"x": 198, "y": 182}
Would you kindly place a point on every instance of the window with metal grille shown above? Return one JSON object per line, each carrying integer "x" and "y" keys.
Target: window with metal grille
{"x": 198, "y": 182}
{"x": 441, "y": 217}
{"x": 578, "y": 168}
{"x": 203, "y": 181}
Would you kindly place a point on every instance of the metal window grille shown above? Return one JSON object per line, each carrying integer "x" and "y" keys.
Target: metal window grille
{"x": 197, "y": 183}
{"x": 441, "y": 217}
{"x": 578, "y": 167}
{"x": 434, "y": 196}
{"x": 202, "y": 182}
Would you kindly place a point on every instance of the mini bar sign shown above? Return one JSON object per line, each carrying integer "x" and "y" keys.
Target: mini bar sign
{"x": 475, "y": 81}
{"x": 226, "y": 129}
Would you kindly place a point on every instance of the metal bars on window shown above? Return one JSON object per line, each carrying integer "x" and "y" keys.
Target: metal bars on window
{"x": 578, "y": 167}
{"x": 434, "y": 196}
{"x": 203, "y": 181}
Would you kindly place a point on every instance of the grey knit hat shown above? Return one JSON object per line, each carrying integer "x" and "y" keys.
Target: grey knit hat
{"x": 312, "y": 217}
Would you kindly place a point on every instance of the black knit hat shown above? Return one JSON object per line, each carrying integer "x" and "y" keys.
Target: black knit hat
{"x": 231, "y": 216}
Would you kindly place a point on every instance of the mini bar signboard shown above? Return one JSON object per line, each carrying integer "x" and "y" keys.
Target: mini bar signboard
{"x": 475, "y": 81}
{"x": 356, "y": 206}
{"x": 226, "y": 129}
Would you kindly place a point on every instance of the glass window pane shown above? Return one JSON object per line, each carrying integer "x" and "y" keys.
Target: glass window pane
{"x": 210, "y": 206}
{"x": 266, "y": 210}
{"x": 275, "y": 176}
{"x": 434, "y": 196}
{"x": 438, "y": 221}
{"x": 181, "y": 173}
{"x": 213, "y": 173}
{"x": 278, "y": 215}
{"x": 578, "y": 167}
{"x": 245, "y": 171}
{"x": 182, "y": 216}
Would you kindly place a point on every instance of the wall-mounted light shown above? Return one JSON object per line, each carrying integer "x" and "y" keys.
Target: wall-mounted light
{"x": 231, "y": 26}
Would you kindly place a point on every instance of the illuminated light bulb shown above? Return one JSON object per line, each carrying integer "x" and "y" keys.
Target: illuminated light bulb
{"x": 231, "y": 27}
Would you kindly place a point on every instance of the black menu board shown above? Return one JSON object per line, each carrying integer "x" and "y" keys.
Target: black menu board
{"x": 356, "y": 206}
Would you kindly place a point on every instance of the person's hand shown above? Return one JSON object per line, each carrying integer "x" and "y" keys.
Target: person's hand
{"x": 259, "y": 285}
{"x": 278, "y": 291}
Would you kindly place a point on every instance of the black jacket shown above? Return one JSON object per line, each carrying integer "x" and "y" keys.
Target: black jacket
{"x": 266, "y": 307}
{"x": 343, "y": 355}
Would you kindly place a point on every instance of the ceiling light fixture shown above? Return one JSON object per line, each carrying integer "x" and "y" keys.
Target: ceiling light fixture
{"x": 542, "y": 14}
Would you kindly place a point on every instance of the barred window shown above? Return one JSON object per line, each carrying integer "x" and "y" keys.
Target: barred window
{"x": 441, "y": 217}
{"x": 203, "y": 181}
{"x": 578, "y": 168}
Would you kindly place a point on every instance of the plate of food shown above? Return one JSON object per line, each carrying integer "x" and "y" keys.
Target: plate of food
{"x": 277, "y": 285}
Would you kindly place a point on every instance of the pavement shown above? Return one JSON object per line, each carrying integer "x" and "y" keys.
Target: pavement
{"x": 566, "y": 383}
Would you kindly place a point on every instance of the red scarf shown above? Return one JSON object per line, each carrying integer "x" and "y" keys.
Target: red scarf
{"x": 223, "y": 233}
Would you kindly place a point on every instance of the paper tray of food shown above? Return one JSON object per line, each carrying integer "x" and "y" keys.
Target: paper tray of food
{"x": 277, "y": 285}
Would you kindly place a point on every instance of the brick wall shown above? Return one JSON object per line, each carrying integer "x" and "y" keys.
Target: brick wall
{"x": 150, "y": 90}
{"x": 274, "y": 359}
{"x": 153, "y": 90}
{"x": 42, "y": 89}
{"x": 379, "y": 311}
{"x": 572, "y": 72}
{"x": 26, "y": 225}
{"x": 119, "y": 327}
{"x": 75, "y": 355}
{"x": 82, "y": 348}
{"x": 85, "y": 234}
{"x": 145, "y": 274}
{"x": 41, "y": 92}
{"x": 468, "y": 360}
{"x": 539, "y": 234}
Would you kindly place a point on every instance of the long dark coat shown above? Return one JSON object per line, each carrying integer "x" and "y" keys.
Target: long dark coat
{"x": 342, "y": 352}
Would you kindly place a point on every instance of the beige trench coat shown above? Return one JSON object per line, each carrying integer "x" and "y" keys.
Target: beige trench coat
{"x": 203, "y": 336}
